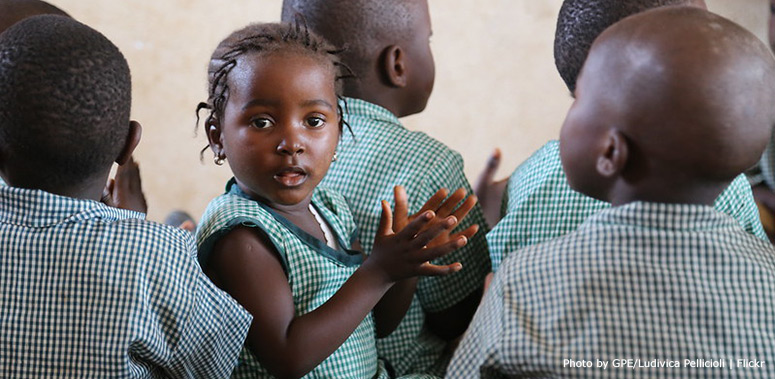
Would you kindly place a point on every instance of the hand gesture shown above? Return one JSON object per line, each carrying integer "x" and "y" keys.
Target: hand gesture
{"x": 490, "y": 191}
{"x": 443, "y": 207}
{"x": 125, "y": 191}
{"x": 404, "y": 246}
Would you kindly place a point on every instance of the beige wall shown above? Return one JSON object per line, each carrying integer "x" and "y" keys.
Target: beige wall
{"x": 495, "y": 86}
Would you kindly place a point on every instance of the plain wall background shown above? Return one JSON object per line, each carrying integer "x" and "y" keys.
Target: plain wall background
{"x": 496, "y": 84}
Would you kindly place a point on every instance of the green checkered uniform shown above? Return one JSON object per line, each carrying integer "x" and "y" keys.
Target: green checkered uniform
{"x": 315, "y": 272}
{"x": 540, "y": 205}
{"x": 641, "y": 281}
{"x": 383, "y": 154}
{"x": 92, "y": 291}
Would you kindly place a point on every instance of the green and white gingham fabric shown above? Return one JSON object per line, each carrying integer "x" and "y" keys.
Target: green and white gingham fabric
{"x": 315, "y": 272}
{"x": 540, "y": 205}
{"x": 767, "y": 166}
{"x": 88, "y": 290}
{"x": 381, "y": 155}
{"x": 656, "y": 283}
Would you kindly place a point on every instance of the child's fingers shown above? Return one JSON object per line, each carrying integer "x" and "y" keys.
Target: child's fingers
{"x": 385, "y": 220}
{"x": 451, "y": 203}
{"x": 435, "y": 201}
{"x": 430, "y": 254}
{"x": 429, "y": 269}
{"x": 431, "y": 231}
{"x": 466, "y": 207}
{"x": 412, "y": 228}
{"x": 401, "y": 211}
{"x": 468, "y": 232}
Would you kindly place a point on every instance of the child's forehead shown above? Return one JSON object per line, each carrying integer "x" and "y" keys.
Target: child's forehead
{"x": 262, "y": 71}
{"x": 289, "y": 60}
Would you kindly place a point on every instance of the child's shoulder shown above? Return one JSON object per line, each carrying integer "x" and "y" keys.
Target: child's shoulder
{"x": 376, "y": 129}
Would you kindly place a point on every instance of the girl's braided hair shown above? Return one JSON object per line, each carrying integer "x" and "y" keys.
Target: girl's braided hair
{"x": 267, "y": 38}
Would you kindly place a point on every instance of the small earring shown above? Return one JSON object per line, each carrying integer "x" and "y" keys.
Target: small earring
{"x": 334, "y": 158}
{"x": 218, "y": 160}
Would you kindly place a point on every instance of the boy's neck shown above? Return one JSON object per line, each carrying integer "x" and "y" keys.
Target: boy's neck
{"x": 90, "y": 189}
{"x": 668, "y": 193}
{"x": 385, "y": 97}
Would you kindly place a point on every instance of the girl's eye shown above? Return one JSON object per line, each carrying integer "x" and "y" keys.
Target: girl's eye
{"x": 261, "y": 123}
{"x": 315, "y": 122}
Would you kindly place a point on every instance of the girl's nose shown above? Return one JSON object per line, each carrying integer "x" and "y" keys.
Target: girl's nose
{"x": 290, "y": 144}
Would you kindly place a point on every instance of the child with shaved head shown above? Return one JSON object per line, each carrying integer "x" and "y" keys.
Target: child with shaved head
{"x": 387, "y": 47}
{"x": 539, "y": 204}
{"x": 661, "y": 277}
{"x": 89, "y": 290}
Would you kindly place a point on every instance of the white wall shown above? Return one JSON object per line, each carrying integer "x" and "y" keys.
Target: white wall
{"x": 495, "y": 86}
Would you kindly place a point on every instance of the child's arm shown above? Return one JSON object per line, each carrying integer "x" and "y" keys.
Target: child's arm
{"x": 290, "y": 345}
{"x": 392, "y": 308}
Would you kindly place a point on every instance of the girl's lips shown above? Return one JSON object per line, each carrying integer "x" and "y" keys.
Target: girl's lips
{"x": 291, "y": 177}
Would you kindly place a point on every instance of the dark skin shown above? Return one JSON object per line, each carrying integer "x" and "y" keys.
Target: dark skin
{"x": 291, "y": 345}
{"x": 125, "y": 191}
{"x": 491, "y": 191}
{"x": 281, "y": 112}
{"x": 17, "y": 174}
{"x": 685, "y": 91}
{"x": 402, "y": 74}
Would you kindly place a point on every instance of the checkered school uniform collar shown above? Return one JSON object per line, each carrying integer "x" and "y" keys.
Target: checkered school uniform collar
{"x": 359, "y": 108}
{"x": 663, "y": 217}
{"x": 36, "y": 208}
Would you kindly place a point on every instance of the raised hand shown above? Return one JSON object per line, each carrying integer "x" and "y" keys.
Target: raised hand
{"x": 125, "y": 190}
{"x": 490, "y": 191}
{"x": 443, "y": 207}
{"x": 405, "y": 245}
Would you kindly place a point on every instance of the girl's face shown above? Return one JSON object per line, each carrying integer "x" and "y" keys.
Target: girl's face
{"x": 280, "y": 126}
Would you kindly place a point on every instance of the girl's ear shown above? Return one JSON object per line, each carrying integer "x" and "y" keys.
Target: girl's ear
{"x": 394, "y": 65}
{"x": 214, "y": 136}
{"x": 614, "y": 156}
{"x": 132, "y": 140}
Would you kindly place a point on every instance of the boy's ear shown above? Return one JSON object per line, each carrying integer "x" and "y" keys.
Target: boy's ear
{"x": 132, "y": 140}
{"x": 614, "y": 156}
{"x": 394, "y": 65}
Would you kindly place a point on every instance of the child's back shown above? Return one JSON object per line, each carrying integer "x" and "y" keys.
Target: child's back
{"x": 661, "y": 278}
{"x": 539, "y": 203}
{"x": 87, "y": 289}
{"x": 380, "y": 153}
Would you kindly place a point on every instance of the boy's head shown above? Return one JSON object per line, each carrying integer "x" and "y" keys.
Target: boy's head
{"x": 671, "y": 105}
{"x": 772, "y": 25}
{"x": 65, "y": 91}
{"x": 13, "y": 11}
{"x": 387, "y": 46}
{"x": 581, "y": 21}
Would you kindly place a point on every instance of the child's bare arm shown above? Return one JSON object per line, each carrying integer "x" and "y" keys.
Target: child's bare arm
{"x": 391, "y": 309}
{"x": 288, "y": 345}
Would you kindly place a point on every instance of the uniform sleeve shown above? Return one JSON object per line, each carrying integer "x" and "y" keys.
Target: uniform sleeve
{"x": 737, "y": 201}
{"x": 439, "y": 293}
{"x": 212, "y": 333}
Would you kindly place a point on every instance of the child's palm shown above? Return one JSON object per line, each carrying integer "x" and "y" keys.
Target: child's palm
{"x": 405, "y": 245}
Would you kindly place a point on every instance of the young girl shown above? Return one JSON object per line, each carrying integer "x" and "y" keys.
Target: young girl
{"x": 281, "y": 246}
